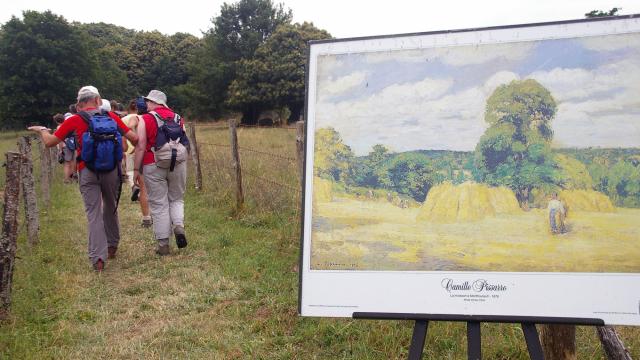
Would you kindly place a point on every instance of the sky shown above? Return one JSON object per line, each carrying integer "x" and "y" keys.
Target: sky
{"x": 435, "y": 98}
{"x": 342, "y": 18}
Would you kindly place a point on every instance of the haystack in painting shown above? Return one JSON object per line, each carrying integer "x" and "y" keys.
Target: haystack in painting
{"x": 321, "y": 190}
{"x": 586, "y": 200}
{"x": 448, "y": 203}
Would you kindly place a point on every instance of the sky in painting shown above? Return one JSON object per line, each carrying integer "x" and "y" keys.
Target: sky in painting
{"x": 435, "y": 98}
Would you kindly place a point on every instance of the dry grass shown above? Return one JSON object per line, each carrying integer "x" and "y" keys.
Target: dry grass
{"x": 379, "y": 236}
{"x": 269, "y": 170}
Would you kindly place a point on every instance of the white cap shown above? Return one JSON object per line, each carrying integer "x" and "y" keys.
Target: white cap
{"x": 87, "y": 92}
{"x": 157, "y": 97}
{"x": 106, "y": 105}
{"x": 67, "y": 115}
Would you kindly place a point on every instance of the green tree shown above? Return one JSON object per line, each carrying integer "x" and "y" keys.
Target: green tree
{"x": 108, "y": 77}
{"x": 515, "y": 150}
{"x": 274, "y": 77}
{"x": 43, "y": 62}
{"x": 365, "y": 170}
{"x": 117, "y": 65}
{"x": 411, "y": 174}
{"x": 148, "y": 59}
{"x": 237, "y": 33}
{"x": 332, "y": 158}
{"x": 623, "y": 184}
{"x": 526, "y": 105}
{"x": 151, "y": 51}
{"x": 168, "y": 71}
{"x": 600, "y": 13}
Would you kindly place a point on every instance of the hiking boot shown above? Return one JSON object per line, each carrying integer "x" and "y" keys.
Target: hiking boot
{"x": 111, "y": 252}
{"x": 181, "y": 239}
{"x": 162, "y": 250}
{"x": 146, "y": 223}
{"x": 98, "y": 266}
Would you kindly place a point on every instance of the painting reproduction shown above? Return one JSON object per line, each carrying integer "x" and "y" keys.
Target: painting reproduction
{"x": 511, "y": 157}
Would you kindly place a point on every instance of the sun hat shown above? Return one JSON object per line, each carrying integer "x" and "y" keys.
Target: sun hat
{"x": 157, "y": 97}
{"x": 87, "y": 92}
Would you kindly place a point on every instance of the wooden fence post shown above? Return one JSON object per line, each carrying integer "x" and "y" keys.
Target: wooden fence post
{"x": 558, "y": 341}
{"x": 53, "y": 161}
{"x": 195, "y": 154}
{"x": 300, "y": 150}
{"x": 29, "y": 191}
{"x": 235, "y": 156}
{"x": 45, "y": 180}
{"x": 9, "y": 230}
{"x": 613, "y": 346}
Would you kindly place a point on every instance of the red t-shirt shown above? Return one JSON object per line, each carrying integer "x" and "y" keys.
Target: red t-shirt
{"x": 151, "y": 127}
{"x": 77, "y": 124}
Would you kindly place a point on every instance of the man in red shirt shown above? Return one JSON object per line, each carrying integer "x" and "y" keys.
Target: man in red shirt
{"x": 100, "y": 190}
{"x": 165, "y": 187}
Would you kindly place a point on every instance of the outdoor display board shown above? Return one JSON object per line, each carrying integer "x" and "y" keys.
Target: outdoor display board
{"x": 475, "y": 172}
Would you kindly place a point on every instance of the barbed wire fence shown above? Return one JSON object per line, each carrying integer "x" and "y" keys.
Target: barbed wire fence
{"x": 256, "y": 170}
{"x": 23, "y": 177}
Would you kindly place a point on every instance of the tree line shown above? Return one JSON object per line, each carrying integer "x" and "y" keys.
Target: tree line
{"x": 515, "y": 151}
{"x": 252, "y": 59}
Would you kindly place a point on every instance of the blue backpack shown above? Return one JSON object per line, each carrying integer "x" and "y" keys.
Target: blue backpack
{"x": 102, "y": 143}
{"x": 70, "y": 142}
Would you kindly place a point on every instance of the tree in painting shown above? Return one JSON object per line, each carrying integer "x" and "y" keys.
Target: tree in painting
{"x": 515, "y": 150}
{"x": 333, "y": 157}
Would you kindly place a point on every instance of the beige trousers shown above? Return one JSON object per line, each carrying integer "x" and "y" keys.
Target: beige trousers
{"x": 165, "y": 190}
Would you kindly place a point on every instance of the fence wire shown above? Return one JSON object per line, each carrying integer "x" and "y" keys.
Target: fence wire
{"x": 270, "y": 180}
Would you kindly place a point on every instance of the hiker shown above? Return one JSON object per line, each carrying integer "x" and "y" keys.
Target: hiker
{"x": 66, "y": 151}
{"x": 161, "y": 159}
{"x": 99, "y": 178}
{"x": 138, "y": 192}
{"x": 556, "y": 208}
{"x": 105, "y": 105}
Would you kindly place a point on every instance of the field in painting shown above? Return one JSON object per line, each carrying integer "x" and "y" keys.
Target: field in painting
{"x": 365, "y": 234}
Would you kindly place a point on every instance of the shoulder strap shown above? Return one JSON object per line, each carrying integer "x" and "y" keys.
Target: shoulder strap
{"x": 159, "y": 120}
{"x": 87, "y": 119}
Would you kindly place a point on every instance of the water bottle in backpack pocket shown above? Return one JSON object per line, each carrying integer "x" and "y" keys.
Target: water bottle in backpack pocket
{"x": 101, "y": 143}
{"x": 171, "y": 145}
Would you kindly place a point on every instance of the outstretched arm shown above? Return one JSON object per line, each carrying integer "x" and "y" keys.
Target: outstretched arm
{"x": 48, "y": 139}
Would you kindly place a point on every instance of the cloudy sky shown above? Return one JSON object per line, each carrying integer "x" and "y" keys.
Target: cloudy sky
{"x": 594, "y": 86}
{"x": 435, "y": 98}
{"x": 342, "y": 18}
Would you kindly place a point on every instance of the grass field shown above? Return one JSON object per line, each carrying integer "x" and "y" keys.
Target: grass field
{"x": 231, "y": 294}
{"x": 376, "y": 235}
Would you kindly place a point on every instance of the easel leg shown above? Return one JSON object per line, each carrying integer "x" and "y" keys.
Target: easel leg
{"x": 533, "y": 342}
{"x": 417, "y": 340}
{"x": 474, "y": 341}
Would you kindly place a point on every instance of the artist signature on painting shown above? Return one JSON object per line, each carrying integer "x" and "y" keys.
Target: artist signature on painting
{"x": 480, "y": 285}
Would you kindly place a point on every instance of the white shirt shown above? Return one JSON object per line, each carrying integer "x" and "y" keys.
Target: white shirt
{"x": 555, "y": 204}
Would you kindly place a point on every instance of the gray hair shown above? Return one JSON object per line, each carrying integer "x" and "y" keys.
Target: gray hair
{"x": 87, "y": 93}
{"x": 87, "y": 98}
